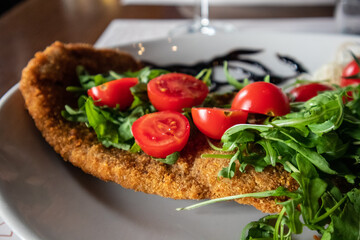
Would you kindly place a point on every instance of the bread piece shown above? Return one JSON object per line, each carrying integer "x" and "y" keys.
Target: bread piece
{"x": 43, "y": 85}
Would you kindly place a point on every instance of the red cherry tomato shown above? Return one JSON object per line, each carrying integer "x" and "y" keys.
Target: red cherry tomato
{"x": 352, "y": 69}
{"x": 160, "y": 134}
{"x": 262, "y": 98}
{"x": 175, "y": 91}
{"x": 114, "y": 93}
{"x": 213, "y": 122}
{"x": 308, "y": 91}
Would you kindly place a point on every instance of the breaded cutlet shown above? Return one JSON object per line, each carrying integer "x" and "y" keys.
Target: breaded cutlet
{"x": 43, "y": 86}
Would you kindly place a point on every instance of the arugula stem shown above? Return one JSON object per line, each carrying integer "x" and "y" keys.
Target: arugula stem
{"x": 261, "y": 238}
{"x": 292, "y": 167}
{"x": 213, "y": 146}
{"x": 74, "y": 89}
{"x": 231, "y": 80}
{"x": 227, "y": 156}
{"x": 288, "y": 235}
{"x": 205, "y": 75}
{"x": 254, "y": 195}
{"x": 277, "y": 224}
{"x": 328, "y": 213}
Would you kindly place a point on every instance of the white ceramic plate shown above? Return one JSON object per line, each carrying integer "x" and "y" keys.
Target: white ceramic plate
{"x": 42, "y": 197}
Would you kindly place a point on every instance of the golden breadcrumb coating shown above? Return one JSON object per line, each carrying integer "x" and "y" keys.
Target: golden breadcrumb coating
{"x": 43, "y": 85}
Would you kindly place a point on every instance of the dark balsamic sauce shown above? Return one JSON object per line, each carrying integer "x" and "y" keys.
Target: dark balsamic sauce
{"x": 238, "y": 60}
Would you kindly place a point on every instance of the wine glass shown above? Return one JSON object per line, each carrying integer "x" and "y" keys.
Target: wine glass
{"x": 201, "y": 23}
{"x": 347, "y": 15}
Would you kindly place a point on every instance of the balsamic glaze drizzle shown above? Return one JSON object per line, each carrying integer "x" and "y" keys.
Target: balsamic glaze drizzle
{"x": 235, "y": 58}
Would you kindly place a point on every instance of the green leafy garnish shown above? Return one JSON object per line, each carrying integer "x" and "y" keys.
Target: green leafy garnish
{"x": 319, "y": 144}
{"x": 170, "y": 159}
{"x": 112, "y": 127}
{"x": 88, "y": 81}
{"x": 205, "y": 75}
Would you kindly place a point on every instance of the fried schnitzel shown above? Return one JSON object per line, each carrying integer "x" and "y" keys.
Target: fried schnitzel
{"x": 43, "y": 85}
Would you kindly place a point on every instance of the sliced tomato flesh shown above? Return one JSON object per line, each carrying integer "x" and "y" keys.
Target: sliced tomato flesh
{"x": 162, "y": 133}
{"x": 175, "y": 91}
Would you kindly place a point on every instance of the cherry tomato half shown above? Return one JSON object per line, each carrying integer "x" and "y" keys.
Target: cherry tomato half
{"x": 160, "y": 134}
{"x": 262, "y": 98}
{"x": 175, "y": 91}
{"x": 308, "y": 91}
{"x": 352, "y": 69}
{"x": 213, "y": 122}
{"x": 114, "y": 93}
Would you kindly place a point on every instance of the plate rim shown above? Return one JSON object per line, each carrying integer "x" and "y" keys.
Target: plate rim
{"x": 10, "y": 217}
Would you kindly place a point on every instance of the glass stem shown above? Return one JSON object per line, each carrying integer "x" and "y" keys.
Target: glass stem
{"x": 204, "y": 13}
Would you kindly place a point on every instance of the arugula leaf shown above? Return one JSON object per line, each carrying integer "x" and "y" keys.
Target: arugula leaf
{"x": 331, "y": 145}
{"x": 139, "y": 91}
{"x": 320, "y": 114}
{"x": 286, "y": 156}
{"x": 315, "y": 158}
{"x": 268, "y": 132}
{"x": 231, "y": 135}
{"x": 320, "y": 144}
{"x": 271, "y": 155}
{"x": 232, "y": 141}
{"x": 76, "y": 115}
{"x": 293, "y": 215}
{"x": 261, "y": 229}
{"x": 170, "y": 159}
{"x": 112, "y": 127}
{"x": 104, "y": 126}
{"x": 88, "y": 81}
{"x": 135, "y": 148}
{"x": 346, "y": 224}
{"x": 144, "y": 75}
{"x": 229, "y": 172}
{"x": 311, "y": 185}
{"x": 124, "y": 131}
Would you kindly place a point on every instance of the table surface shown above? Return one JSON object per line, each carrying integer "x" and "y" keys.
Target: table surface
{"x": 34, "y": 24}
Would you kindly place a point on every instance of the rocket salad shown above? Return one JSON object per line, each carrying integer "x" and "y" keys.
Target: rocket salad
{"x": 318, "y": 141}
{"x": 319, "y": 145}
